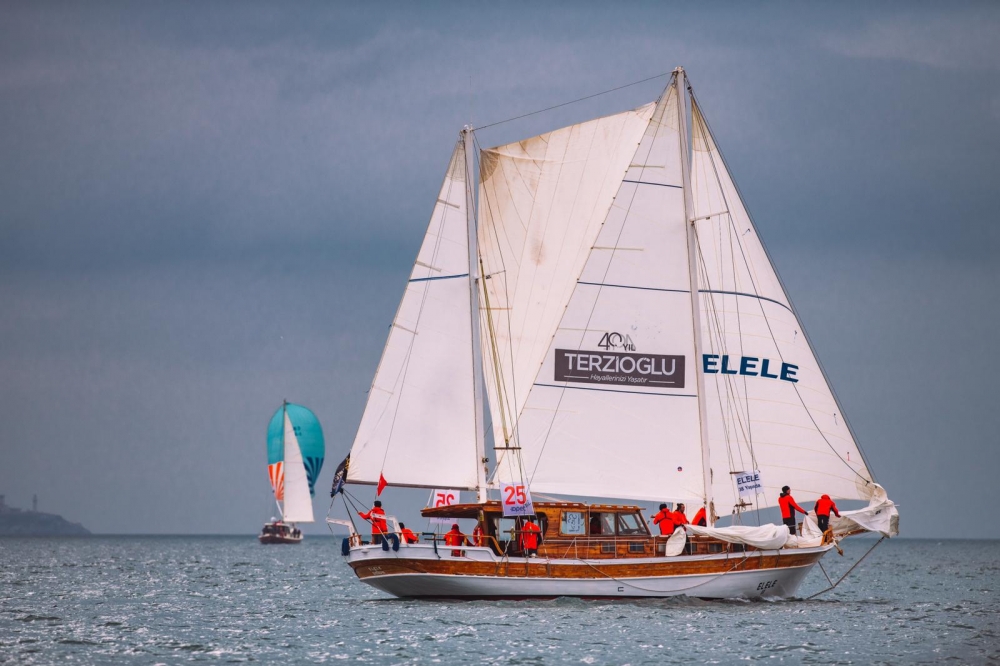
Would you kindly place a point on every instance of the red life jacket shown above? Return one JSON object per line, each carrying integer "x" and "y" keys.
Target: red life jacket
{"x": 529, "y": 536}
{"x": 665, "y": 519}
{"x": 454, "y": 538}
{"x": 823, "y": 506}
{"x": 408, "y": 536}
{"x": 680, "y": 518}
{"x": 699, "y": 518}
{"x": 788, "y": 506}
{"x": 377, "y": 518}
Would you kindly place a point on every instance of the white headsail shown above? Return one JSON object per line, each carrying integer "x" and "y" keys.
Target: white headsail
{"x": 298, "y": 502}
{"x": 769, "y": 404}
{"x": 418, "y": 428}
{"x": 609, "y": 407}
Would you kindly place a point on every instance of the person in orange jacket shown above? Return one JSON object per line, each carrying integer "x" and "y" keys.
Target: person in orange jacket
{"x": 788, "y": 508}
{"x": 699, "y": 518}
{"x": 477, "y": 535}
{"x": 679, "y": 517}
{"x": 823, "y": 506}
{"x": 665, "y": 520}
{"x": 377, "y": 518}
{"x": 454, "y": 537}
{"x": 407, "y": 535}
{"x": 530, "y": 533}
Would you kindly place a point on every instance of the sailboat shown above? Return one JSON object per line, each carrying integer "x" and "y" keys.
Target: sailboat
{"x": 602, "y": 294}
{"x": 295, "y": 452}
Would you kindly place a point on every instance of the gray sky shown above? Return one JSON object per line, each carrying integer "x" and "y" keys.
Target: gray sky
{"x": 209, "y": 207}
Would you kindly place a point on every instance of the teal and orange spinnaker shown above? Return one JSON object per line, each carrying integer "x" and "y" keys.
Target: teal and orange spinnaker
{"x": 310, "y": 436}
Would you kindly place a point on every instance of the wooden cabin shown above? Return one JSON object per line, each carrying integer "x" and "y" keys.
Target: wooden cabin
{"x": 573, "y": 530}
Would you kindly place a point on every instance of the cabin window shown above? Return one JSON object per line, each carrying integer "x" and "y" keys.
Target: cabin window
{"x": 629, "y": 524}
{"x": 634, "y": 547}
{"x": 602, "y": 524}
{"x": 607, "y": 548}
{"x": 572, "y": 523}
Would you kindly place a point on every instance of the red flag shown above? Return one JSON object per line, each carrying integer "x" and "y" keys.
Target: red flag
{"x": 382, "y": 483}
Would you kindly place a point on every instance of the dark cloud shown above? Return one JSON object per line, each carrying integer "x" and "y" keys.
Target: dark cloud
{"x": 210, "y": 208}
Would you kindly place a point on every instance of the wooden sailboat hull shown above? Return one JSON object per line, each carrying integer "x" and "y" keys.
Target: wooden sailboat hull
{"x": 418, "y": 571}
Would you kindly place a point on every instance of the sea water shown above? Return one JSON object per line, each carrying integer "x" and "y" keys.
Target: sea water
{"x": 148, "y": 600}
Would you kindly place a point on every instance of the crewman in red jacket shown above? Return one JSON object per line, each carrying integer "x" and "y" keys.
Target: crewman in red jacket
{"x": 788, "y": 508}
{"x": 454, "y": 537}
{"x": 823, "y": 506}
{"x": 665, "y": 520}
{"x": 529, "y": 538}
{"x": 699, "y": 518}
{"x": 679, "y": 517}
{"x": 407, "y": 534}
{"x": 377, "y": 518}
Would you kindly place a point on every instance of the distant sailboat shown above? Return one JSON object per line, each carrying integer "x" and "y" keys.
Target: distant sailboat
{"x": 615, "y": 303}
{"x": 295, "y": 452}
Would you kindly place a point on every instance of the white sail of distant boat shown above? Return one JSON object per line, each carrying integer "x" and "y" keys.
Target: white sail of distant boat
{"x": 298, "y": 504}
{"x": 635, "y": 343}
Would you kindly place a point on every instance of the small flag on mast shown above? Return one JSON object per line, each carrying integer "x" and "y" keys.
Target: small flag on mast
{"x": 340, "y": 476}
{"x": 382, "y": 483}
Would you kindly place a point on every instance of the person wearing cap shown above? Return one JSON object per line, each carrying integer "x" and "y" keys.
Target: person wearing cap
{"x": 823, "y": 506}
{"x": 454, "y": 537}
{"x": 788, "y": 508}
{"x": 407, "y": 535}
{"x": 377, "y": 518}
{"x": 665, "y": 520}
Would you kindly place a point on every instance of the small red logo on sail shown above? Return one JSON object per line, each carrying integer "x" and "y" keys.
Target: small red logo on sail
{"x": 277, "y": 474}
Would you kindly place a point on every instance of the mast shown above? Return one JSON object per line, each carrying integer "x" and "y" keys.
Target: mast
{"x": 684, "y": 132}
{"x": 284, "y": 407}
{"x": 477, "y": 349}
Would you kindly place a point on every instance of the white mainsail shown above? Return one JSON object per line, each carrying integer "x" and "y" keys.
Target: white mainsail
{"x": 298, "y": 502}
{"x": 609, "y": 408}
{"x": 418, "y": 428}
{"x": 769, "y": 404}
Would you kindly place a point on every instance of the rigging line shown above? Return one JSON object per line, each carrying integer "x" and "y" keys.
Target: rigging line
{"x": 744, "y": 429}
{"x": 802, "y": 328}
{"x": 501, "y": 396}
{"x": 607, "y": 268}
{"x": 605, "y": 92}
{"x": 503, "y": 264}
{"x": 719, "y": 333}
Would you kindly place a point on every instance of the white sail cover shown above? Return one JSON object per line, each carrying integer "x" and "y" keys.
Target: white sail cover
{"x": 594, "y": 328}
{"x": 418, "y": 428}
{"x": 769, "y": 405}
{"x": 298, "y": 503}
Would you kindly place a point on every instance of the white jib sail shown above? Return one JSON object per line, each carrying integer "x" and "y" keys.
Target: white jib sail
{"x": 418, "y": 428}
{"x": 298, "y": 503}
{"x": 613, "y": 412}
{"x": 769, "y": 405}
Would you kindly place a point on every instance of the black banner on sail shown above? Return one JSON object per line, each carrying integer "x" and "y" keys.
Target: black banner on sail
{"x": 629, "y": 369}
